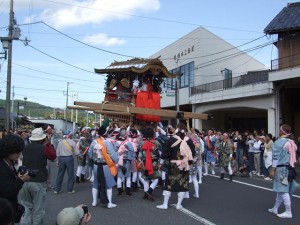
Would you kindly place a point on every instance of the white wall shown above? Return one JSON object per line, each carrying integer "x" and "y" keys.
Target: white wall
{"x": 205, "y": 45}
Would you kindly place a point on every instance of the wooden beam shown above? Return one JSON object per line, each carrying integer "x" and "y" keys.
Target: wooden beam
{"x": 112, "y": 112}
{"x": 112, "y": 107}
{"x": 80, "y": 108}
{"x": 126, "y": 110}
{"x": 92, "y": 105}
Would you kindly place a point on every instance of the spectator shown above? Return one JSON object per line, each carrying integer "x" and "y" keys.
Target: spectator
{"x": 250, "y": 142}
{"x": 73, "y": 216}
{"x": 245, "y": 168}
{"x": 33, "y": 192}
{"x": 234, "y": 165}
{"x": 262, "y": 150}
{"x": 25, "y": 136}
{"x": 66, "y": 149}
{"x": 6, "y": 212}
{"x": 237, "y": 141}
{"x": 11, "y": 182}
{"x": 268, "y": 156}
{"x": 257, "y": 152}
{"x": 244, "y": 144}
{"x": 83, "y": 144}
{"x": 50, "y": 139}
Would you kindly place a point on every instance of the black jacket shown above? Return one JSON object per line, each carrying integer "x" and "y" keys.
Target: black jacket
{"x": 35, "y": 159}
{"x": 10, "y": 184}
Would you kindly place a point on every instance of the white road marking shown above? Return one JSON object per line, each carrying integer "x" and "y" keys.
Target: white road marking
{"x": 207, "y": 222}
{"x": 251, "y": 185}
{"x": 194, "y": 216}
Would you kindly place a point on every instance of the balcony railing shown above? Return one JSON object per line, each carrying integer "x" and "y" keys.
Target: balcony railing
{"x": 285, "y": 62}
{"x": 249, "y": 78}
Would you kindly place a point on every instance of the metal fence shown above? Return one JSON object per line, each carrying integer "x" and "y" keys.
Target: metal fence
{"x": 285, "y": 62}
{"x": 249, "y": 78}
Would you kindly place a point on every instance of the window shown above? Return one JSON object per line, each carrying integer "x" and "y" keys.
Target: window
{"x": 227, "y": 78}
{"x": 186, "y": 77}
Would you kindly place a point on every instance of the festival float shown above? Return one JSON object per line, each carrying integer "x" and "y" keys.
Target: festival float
{"x": 133, "y": 93}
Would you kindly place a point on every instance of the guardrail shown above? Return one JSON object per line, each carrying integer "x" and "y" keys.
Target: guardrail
{"x": 249, "y": 78}
{"x": 285, "y": 62}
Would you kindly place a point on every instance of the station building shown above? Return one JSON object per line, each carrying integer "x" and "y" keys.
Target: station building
{"x": 217, "y": 78}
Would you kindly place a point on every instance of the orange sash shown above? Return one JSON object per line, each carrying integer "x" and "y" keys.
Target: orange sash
{"x": 111, "y": 165}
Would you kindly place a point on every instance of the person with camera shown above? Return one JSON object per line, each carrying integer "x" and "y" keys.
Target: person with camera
{"x": 33, "y": 192}
{"x": 11, "y": 182}
{"x": 74, "y": 216}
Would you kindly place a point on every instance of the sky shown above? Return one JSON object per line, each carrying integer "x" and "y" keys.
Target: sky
{"x": 68, "y": 39}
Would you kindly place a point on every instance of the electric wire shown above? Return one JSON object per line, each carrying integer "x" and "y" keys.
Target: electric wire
{"x": 52, "y": 90}
{"x": 114, "y": 53}
{"x": 60, "y": 60}
{"x": 56, "y": 75}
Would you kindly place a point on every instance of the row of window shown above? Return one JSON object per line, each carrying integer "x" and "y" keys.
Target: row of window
{"x": 186, "y": 73}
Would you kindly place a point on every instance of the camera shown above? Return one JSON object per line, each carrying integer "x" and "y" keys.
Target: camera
{"x": 85, "y": 209}
{"x": 23, "y": 169}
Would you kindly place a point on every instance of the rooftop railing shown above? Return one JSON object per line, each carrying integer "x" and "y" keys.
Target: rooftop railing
{"x": 285, "y": 62}
{"x": 249, "y": 78}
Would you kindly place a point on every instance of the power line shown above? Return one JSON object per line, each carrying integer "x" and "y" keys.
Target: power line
{"x": 226, "y": 50}
{"x": 50, "y": 79}
{"x": 139, "y": 37}
{"x": 208, "y": 63}
{"x": 141, "y": 57}
{"x": 52, "y": 90}
{"x": 114, "y": 53}
{"x": 56, "y": 75}
{"x": 60, "y": 60}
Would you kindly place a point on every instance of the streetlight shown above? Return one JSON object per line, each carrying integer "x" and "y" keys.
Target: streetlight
{"x": 5, "y": 43}
{"x": 23, "y": 107}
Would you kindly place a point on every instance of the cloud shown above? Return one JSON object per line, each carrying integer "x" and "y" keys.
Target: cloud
{"x": 103, "y": 40}
{"x": 64, "y": 14}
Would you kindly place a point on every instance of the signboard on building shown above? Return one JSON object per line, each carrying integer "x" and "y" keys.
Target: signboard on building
{"x": 170, "y": 93}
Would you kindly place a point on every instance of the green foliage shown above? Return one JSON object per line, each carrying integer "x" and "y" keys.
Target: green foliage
{"x": 28, "y": 108}
{"x": 32, "y": 109}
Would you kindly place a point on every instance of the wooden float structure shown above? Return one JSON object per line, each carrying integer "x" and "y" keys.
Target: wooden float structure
{"x": 132, "y": 93}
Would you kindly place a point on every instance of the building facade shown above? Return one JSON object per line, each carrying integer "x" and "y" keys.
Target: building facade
{"x": 215, "y": 77}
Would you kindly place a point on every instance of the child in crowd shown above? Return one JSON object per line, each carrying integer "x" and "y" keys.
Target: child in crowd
{"x": 245, "y": 168}
{"x": 234, "y": 165}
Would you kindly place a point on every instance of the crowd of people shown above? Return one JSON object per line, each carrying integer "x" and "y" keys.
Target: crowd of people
{"x": 131, "y": 157}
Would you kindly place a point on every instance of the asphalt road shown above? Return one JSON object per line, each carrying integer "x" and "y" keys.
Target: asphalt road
{"x": 242, "y": 202}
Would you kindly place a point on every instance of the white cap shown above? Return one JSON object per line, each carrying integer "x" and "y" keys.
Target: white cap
{"x": 70, "y": 216}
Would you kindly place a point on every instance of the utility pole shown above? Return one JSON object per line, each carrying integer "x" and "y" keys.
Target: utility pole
{"x": 12, "y": 107}
{"x": 9, "y": 59}
{"x": 65, "y": 116}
